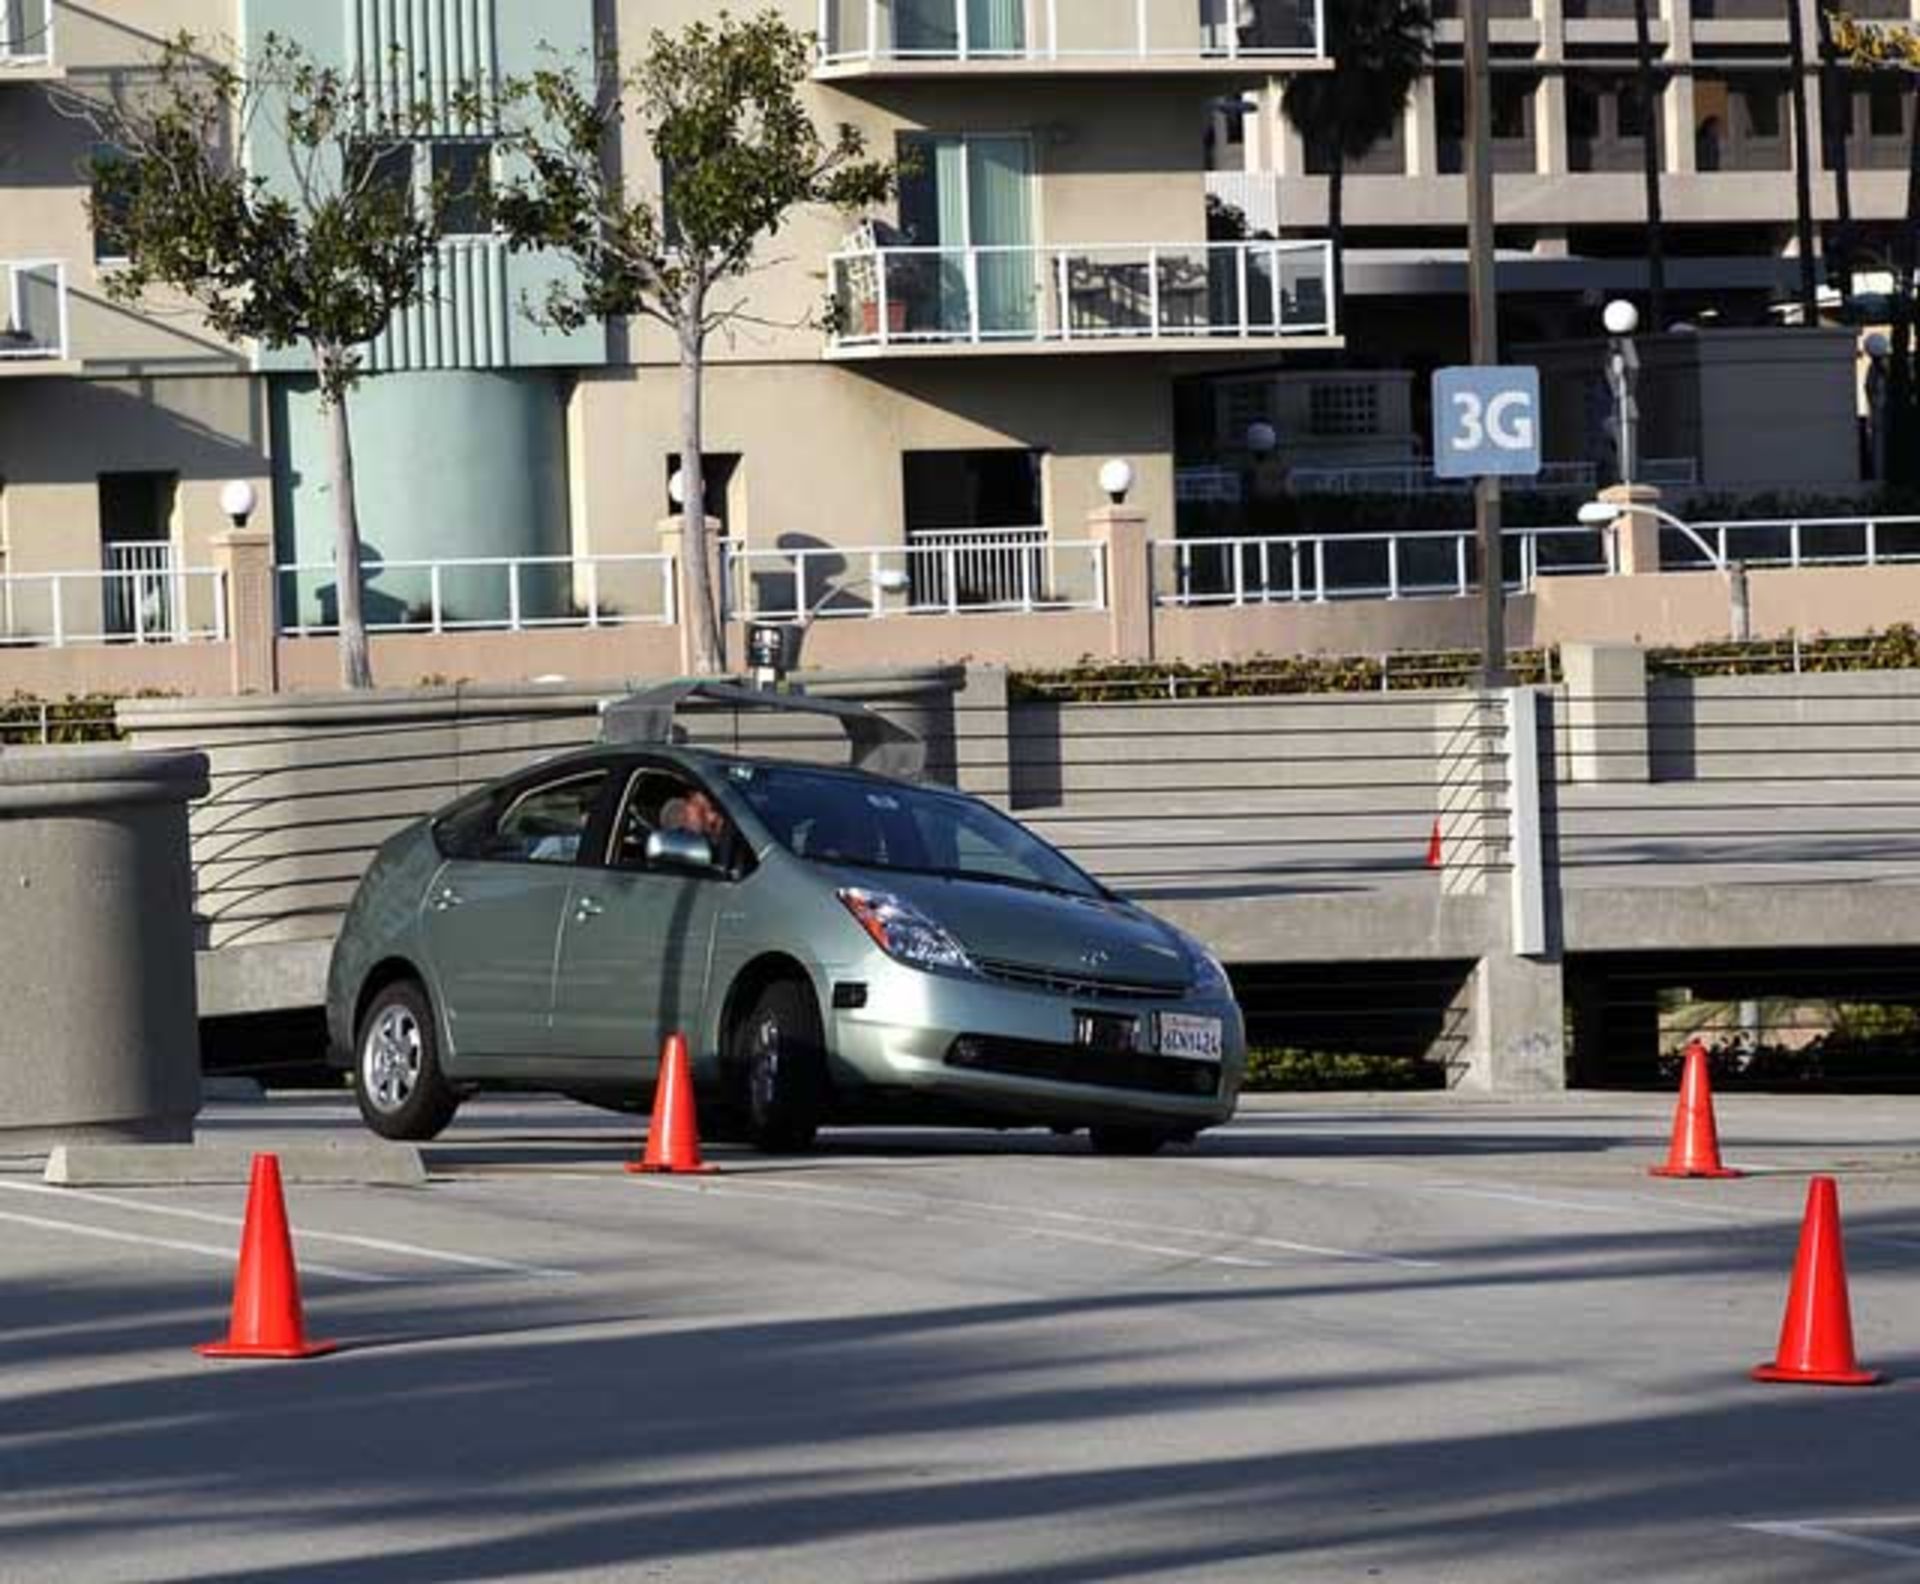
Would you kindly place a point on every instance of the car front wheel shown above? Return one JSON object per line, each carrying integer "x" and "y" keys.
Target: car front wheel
{"x": 396, "y": 1069}
{"x": 781, "y": 1058}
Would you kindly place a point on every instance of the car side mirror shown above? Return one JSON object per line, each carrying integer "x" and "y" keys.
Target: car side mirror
{"x": 678, "y": 850}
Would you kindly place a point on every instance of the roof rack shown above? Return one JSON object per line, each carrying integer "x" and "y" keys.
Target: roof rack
{"x": 875, "y": 744}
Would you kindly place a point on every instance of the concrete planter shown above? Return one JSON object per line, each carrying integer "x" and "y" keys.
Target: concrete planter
{"x": 97, "y": 970}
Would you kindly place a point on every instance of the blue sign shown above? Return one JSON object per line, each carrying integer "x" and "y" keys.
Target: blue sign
{"x": 1486, "y": 421}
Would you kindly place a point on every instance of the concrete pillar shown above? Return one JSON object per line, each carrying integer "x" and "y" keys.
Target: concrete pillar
{"x": 1423, "y": 130}
{"x": 96, "y": 946}
{"x": 672, "y": 534}
{"x": 245, "y": 555}
{"x": 1123, "y": 530}
{"x": 1636, "y": 535}
{"x": 1513, "y": 1016}
{"x": 1606, "y": 712}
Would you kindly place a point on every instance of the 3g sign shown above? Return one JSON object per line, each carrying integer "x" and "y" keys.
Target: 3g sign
{"x": 1486, "y": 421}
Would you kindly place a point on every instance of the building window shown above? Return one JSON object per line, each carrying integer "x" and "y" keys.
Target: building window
{"x": 1343, "y": 409}
{"x": 136, "y": 551}
{"x": 112, "y": 204}
{"x": 385, "y": 168}
{"x": 975, "y": 517}
{"x": 462, "y": 184}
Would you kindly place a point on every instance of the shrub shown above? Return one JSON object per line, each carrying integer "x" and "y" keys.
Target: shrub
{"x": 1273, "y": 1070}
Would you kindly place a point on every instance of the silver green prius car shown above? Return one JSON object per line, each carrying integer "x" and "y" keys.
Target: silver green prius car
{"x": 836, "y": 946}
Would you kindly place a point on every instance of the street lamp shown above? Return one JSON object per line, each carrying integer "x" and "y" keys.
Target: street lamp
{"x": 1116, "y": 478}
{"x": 1607, "y": 514}
{"x": 238, "y": 500}
{"x": 773, "y": 648}
{"x": 1623, "y": 372}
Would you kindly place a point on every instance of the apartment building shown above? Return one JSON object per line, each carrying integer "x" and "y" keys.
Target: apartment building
{"x": 961, "y": 364}
{"x": 1568, "y": 135}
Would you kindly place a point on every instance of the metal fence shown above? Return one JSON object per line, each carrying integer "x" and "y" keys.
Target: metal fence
{"x": 155, "y": 604}
{"x": 962, "y": 573}
{"x": 485, "y": 593}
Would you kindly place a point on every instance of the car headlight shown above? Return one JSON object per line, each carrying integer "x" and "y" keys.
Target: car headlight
{"x": 902, "y": 931}
{"x": 1209, "y": 975}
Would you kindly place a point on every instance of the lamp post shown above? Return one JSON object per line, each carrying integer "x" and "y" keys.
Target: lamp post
{"x": 1607, "y": 514}
{"x": 1623, "y": 377}
{"x": 238, "y": 500}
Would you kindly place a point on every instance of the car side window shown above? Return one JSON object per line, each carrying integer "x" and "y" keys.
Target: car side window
{"x": 649, "y": 799}
{"x": 547, "y": 824}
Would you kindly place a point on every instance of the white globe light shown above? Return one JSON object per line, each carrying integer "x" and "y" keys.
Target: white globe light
{"x": 237, "y": 499}
{"x": 1262, "y": 438}
{"x": 677, "y": 488}
{"x": 1116, "y": 478}
{"x": 1878, "y": 346}
{"x": 1621, "y": 317}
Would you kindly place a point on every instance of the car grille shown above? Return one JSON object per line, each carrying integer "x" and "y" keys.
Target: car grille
{"x": 1070, "y": 1064}
{"x": 1081, "y": 986}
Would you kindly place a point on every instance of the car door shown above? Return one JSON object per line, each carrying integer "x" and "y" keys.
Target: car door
{"x": 636, "y": 941}
{"x": 493, "y": 914}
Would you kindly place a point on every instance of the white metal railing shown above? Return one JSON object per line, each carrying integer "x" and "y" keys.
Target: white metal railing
{"x": 1797, "y": 542}
{"x": 856, "y": 32}
{"x": 33, "y": 309}
{"x": 963, "y": 573}
{"x": 26, "y": 33}
{"x": 58, "y": 610}
{"x": 903, "y": 296}
{"x": 485, "y": 593}
{"x": 1418, "y": 478}
{"x": 141, "y": 593}
{"x": 1319, "y": 568}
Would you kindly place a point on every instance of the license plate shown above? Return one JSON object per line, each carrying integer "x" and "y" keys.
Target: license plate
{"x": 1197, "y": 1038}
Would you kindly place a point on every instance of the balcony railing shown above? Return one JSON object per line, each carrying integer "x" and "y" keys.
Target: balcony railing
{"x": 484, "y": 593}
{"x": 1318, "y": 568}
{"x": 979, "y": 296}
{"x": 1418, "y": 478}
{"x": 33, "y": 310}
{"x": 911, "y": 32}
{"x": 26, "y": 34}
{"x": 154, "y": 604}
{"x": 951, "y": 574}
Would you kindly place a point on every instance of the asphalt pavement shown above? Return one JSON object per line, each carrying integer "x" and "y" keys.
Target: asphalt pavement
{"x": 1345, "y": 1338}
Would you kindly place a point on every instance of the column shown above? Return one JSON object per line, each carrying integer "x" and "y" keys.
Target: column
{"x": 1606, "y": 731}
{"x": 1123, "y": 530}
{"x": 245, "y": 555}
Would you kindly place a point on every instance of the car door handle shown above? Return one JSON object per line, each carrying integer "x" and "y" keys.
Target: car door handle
{"x": 586, "y": 908}
{"x": 446, "y": 897}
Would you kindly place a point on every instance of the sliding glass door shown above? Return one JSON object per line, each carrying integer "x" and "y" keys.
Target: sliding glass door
{"x": 935, "y": 27}
{"x": 971, "y": 198}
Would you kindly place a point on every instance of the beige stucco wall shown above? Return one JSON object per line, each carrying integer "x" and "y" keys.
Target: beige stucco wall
{"x": 821, "y": 445}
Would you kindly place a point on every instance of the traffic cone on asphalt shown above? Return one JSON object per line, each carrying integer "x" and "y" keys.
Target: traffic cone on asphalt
{"x": 1816, "y": 1338}
{"x": 266, "y": 1319}
{"x": 1436, "y": 857}
{"x": 1695, "y": 1151}
{"x": 673, "y": 1136}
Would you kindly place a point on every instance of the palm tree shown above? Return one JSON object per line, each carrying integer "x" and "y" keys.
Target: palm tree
{"x": 1380, "y": 48}
{"x": 1647, "y": 88}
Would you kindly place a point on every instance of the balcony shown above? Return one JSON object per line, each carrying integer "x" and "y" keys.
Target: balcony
{"x": 1118, "y": 297}
{"x": 33, "y": 316}
{"x": 946, "y": 38}
{"x": 26, "y": 41}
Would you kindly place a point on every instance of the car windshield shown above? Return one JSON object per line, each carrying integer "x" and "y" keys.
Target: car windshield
{"x": 844, "y": 819}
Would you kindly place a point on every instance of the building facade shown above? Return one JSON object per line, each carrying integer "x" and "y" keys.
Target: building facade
{"x": 954, "y": 368}
{"x": 1568, "y": 132}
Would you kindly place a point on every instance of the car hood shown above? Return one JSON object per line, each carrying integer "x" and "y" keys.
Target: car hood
{"x": 1072, "y": 937}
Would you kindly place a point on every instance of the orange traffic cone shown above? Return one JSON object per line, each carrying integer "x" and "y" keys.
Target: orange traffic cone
{"x": 266, "y": 1290}
{"x": 1436, "y": 857}
{"x": 673, "y": 1137}
{"x": 1695, "y": 1151}
{"x": 1816, "y": 1338}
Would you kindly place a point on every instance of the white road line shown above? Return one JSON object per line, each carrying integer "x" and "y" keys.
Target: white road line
{"x": 1644, "y": 1205}
{"x": 382, "y": 1245}
{"x": 1286, "y": 1245}
{"x": 1824, "y": 1534}
{"x": 729, "y": 1191}
{"x": 224, "y": 1255}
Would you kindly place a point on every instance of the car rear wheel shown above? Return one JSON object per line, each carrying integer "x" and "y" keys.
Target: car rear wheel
{"x": 782, "y": 1061}
{"x": 1110, "y": 1139}
{"x": 396, "y": 1069}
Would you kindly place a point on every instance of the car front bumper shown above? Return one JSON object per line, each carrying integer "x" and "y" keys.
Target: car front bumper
{"x": 993, "y": 1047}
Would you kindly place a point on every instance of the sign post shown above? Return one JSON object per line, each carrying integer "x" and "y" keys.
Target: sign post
{"x": 1486, "y": 426}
